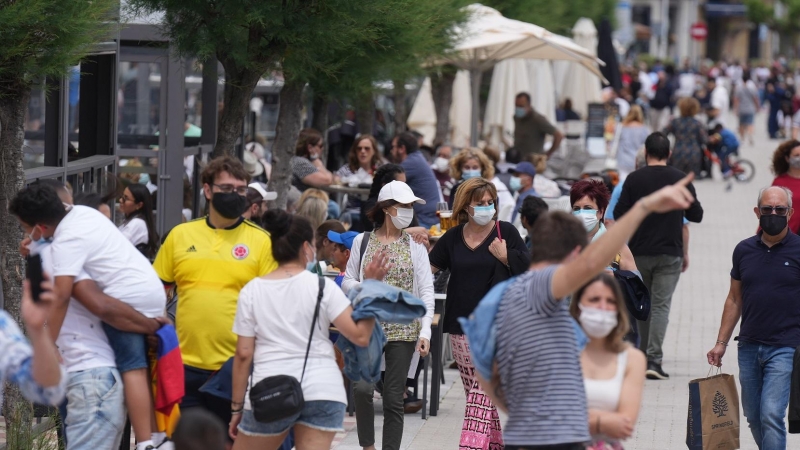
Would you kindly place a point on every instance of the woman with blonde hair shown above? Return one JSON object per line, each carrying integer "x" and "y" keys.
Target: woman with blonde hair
{"x": 631, "y": 139}
{"x": 469, "y": 163}
{"x": 313, "y": 205}
{"x": 613, "y": 370}
{"x": 480, "y": 252}
{"x": 690, "y": 137}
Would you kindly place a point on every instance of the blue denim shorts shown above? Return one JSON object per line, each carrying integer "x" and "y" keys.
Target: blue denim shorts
{"x": 323, "y": 415}
{"x": 746, "y": 119}
{"x": 130, "y": 349}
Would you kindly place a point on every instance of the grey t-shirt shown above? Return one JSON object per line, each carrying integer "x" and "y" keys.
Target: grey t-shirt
{"x": 539, "y": 364}
{"x": 747, "y": 96}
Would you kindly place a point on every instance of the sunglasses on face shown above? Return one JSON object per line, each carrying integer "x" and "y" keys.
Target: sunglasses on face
{"x": 777, "y": 210}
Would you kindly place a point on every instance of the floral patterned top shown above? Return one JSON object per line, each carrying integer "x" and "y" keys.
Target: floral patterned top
{"x": 401, "y": 275}
{"x": 16, "y": 359}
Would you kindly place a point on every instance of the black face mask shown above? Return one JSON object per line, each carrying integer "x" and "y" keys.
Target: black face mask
{"x": 773, "y": 224}
{"x": 229, "y": 205}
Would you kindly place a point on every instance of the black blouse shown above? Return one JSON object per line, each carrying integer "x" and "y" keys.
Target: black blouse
{"x": 473, "y": 272}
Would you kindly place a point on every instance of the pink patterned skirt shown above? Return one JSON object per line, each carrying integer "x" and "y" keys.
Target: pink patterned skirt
{"x": 481, "y": 428}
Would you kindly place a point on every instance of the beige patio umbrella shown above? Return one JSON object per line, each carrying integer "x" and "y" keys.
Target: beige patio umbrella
{"x": 488, "y": 38}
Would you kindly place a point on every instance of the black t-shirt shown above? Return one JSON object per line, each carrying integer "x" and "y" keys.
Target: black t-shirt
{"x": 770, "y": 280}
{"x": 659, "y": 234}
{"x": 474, "y": 272}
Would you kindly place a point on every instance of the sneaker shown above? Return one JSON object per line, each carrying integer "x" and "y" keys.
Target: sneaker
{"x": 166, "y": 445}
{"x": 655, "y": 372}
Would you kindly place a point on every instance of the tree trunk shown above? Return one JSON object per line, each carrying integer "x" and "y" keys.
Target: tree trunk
{"x": 319, "y": 121}
{"x": 239, "y": 87}
{"x": 442, "y": 91}
{"x": 17, "y": 411}
{"x": 365, "y": 112}
{"x": 288, "y": 128}
{"x": 400, "y": 114}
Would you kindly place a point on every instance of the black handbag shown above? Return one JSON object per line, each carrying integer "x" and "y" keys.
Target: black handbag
{"x": 637, "y": 297}
{"x": 281, "y": 396}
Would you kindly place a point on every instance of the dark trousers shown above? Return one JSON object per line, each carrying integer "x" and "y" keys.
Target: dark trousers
{"x": 194, "y": 378}
{"x": 398, "y": 356}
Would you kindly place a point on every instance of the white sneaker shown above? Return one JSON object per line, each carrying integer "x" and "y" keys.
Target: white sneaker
{"x": 167, "y": 445}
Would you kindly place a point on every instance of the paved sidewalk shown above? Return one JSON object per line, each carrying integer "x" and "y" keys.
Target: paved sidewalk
{"x": 695, "y": 316}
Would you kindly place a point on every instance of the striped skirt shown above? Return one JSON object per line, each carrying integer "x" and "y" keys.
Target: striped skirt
{"x": 481, "y": 428}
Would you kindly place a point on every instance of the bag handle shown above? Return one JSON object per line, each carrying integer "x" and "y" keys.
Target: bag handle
{"x": 499, "y": 234}
{"x": 311, "y": 333}
{"x": 313, "y": 324}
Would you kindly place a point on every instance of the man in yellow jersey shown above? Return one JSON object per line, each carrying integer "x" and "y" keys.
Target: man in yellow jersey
{"x": 210, "y": 259}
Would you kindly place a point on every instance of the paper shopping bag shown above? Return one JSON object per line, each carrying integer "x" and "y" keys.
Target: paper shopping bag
{"x": 713, "y": 419}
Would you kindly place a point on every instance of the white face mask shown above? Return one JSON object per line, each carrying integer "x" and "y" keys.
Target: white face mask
{"x": 588, "y": 216}
{"x": 597, "y": 323}
{"x": 441, "y": 164}
{"x": 483, "y": 214}
{"x": 403, "y": 218}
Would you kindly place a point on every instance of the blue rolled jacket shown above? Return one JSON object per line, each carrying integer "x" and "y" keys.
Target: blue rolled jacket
{"x": 481, "y": 330}
{"x": 385, "y": 303}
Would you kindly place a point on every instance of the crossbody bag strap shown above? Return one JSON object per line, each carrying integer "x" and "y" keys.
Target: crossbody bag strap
{"x": 313, "y": 324}
{"x": 363, "y": 248}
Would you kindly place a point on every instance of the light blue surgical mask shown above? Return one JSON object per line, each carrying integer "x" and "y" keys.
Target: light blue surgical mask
{"x": 483, "y": 214}
{"x": 467, "y": 174}
{"x": 515, "y": 184}
{"x": 519, "y": 113}
{"x": 144, "y": 178}
{"x": 588, "y": 217}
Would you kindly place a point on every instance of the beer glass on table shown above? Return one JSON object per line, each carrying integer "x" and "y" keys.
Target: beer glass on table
{"x": 445, "y": 216}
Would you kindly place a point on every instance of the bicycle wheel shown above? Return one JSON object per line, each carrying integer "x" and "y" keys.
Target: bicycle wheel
{"x": 743, "y": 170}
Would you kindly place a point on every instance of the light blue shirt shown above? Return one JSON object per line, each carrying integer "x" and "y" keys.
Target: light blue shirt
{"x": 520, "y": 199}
{"x": 16, "y": 360}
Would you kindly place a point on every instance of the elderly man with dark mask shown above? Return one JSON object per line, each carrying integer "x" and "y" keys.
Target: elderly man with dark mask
{"x": 765, "y": 286}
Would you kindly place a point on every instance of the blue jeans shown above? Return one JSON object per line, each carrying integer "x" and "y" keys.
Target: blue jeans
{"x": 766, "y": 374}
{"x": 95, "y": 409}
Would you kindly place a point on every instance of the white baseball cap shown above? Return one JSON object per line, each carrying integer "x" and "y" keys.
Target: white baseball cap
{"x": 267, "y": 196}
{"x": 399, "y": 192}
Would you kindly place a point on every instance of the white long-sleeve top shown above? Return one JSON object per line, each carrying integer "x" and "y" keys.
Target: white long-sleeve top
{"x": 423, "y": 278}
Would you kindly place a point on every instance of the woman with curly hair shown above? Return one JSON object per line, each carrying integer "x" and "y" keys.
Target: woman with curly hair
{"x": 786, "y": 167}
{"x": 469, "y": 163}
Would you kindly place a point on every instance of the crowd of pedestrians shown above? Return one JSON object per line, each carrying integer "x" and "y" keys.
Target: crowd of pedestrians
{"x": 248, "y": 295}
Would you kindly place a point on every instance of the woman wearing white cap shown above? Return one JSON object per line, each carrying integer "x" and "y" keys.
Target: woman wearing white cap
{"x": 411, "y": 271}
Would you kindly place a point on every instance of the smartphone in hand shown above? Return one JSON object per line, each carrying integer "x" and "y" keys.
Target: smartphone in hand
{"x": 35, "y": 276}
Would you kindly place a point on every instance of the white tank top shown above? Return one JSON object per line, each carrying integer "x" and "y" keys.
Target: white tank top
{"x": 604, "y": 394}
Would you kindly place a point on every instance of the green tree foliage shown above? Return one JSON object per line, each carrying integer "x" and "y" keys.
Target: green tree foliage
{"x": 557, "y": 16}
{"x": 336, "y": 45}
{"x": 787, "y": 26}
{"x": 40, "y": 39}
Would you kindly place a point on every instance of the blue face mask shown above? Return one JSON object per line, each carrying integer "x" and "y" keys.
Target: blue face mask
{"x": 144, "y": 178}
{"x": 519, "y": 113}
{"x": 515, "y": 184}
{"x": 467, "y": 174}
